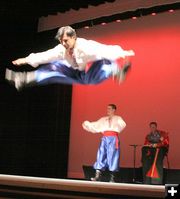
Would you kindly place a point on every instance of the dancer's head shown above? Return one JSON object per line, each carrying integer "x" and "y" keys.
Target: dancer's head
{"x": 111, "y": 108}
{"x": 66, "y": 36}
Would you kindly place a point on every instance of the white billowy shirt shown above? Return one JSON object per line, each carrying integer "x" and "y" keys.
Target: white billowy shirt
{"x": 116, "y": 124}
{"x": 84, "y": 52}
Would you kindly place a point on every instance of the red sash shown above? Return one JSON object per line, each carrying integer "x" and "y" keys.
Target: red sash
{"x": 112, "y": 133}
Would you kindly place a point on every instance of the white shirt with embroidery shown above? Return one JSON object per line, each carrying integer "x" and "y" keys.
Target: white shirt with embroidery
{"x": 85, "y": 51}
{"x": 116, "y": 124}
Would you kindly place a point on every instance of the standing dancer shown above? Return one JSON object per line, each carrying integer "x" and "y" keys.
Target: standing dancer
{"x": 74, "y": 60}
{"x": 109, "y": 150}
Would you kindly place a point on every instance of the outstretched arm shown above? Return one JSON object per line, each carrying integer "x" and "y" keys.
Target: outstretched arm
{"x": 93, "y": 127}
{"x": 112, "y": 52}
{"x": 20, "y": 61}
{"x": 35, "y": 59}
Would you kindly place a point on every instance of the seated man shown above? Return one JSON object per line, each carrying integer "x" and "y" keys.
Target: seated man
{"x": 155, "y": 148}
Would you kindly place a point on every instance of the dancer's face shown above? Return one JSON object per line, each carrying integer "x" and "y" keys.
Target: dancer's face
{"x": 110, "y": 111}
{"x": 67, "y": 41}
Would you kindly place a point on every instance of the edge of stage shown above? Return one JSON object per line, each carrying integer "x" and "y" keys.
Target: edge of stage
{"x": 11, "y": 185}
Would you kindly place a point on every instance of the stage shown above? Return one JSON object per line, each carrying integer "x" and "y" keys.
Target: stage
{"x": 12, "y": 186}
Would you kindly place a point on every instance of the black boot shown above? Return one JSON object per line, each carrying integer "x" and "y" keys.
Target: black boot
{"x": 123, "y": 72}
{"x": 112, "y": 177}
{"x": 19, "y": 79}
{"x": 97, "y": 176}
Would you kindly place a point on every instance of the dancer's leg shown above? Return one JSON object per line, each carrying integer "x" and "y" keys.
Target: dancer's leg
{"x": 102, "y": 70}
{"x": 58, "y": 72}
{"x": 55, "y": 72}
{"x": 113, "y": 154}
{"x": 101, "y": 161}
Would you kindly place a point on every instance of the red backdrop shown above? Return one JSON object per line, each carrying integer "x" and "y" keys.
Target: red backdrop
{"x": 150, "y": 92}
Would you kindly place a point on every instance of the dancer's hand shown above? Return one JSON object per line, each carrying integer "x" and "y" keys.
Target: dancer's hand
{"x": 85, "y": 124}
{"x": 129, "y": 53}
{"x": 19, "y": 61}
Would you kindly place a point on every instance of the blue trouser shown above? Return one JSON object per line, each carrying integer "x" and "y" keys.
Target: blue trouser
{"x": 108, "y": 155}
{"x": 58, "y": 72}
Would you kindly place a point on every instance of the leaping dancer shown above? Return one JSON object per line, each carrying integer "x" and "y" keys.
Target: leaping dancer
{"x": 74, "y": 60}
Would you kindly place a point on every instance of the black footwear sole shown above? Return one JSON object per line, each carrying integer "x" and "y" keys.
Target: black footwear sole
{"x": 126, "y": 67}
{"x": 122, "y": 74}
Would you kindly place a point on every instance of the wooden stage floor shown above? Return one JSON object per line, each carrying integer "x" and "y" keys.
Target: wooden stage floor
{"x": 12, "y": 186}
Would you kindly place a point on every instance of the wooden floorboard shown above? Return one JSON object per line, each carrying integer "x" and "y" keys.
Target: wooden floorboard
{"x": 74, "y": 188}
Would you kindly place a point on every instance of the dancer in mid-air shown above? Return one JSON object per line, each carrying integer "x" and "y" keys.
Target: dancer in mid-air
{"x": 74, "y": 60}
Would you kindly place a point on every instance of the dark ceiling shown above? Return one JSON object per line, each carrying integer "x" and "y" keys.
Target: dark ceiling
{"x": 19, "y": 21}
{"x": 37, "y": 8}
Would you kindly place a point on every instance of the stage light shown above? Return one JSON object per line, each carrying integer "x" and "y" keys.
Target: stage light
{"x": 134, "y": 17}
{"x": 119, "y": 17}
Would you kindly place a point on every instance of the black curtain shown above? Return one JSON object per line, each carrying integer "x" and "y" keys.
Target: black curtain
{"x": 35, "y": 122}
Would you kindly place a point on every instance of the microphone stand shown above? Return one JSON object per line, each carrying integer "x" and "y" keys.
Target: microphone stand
{"x": 134, "y": 161}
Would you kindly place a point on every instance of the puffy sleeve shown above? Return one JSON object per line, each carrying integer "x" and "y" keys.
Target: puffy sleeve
{"x": 112, "y": 52}
{"x": 56, "y": 53}
{"x": 146, "y": 142}
{"x": 93, "y": 127}
{"x": 164, "y": 140}
{"x": 121, "y": 124}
